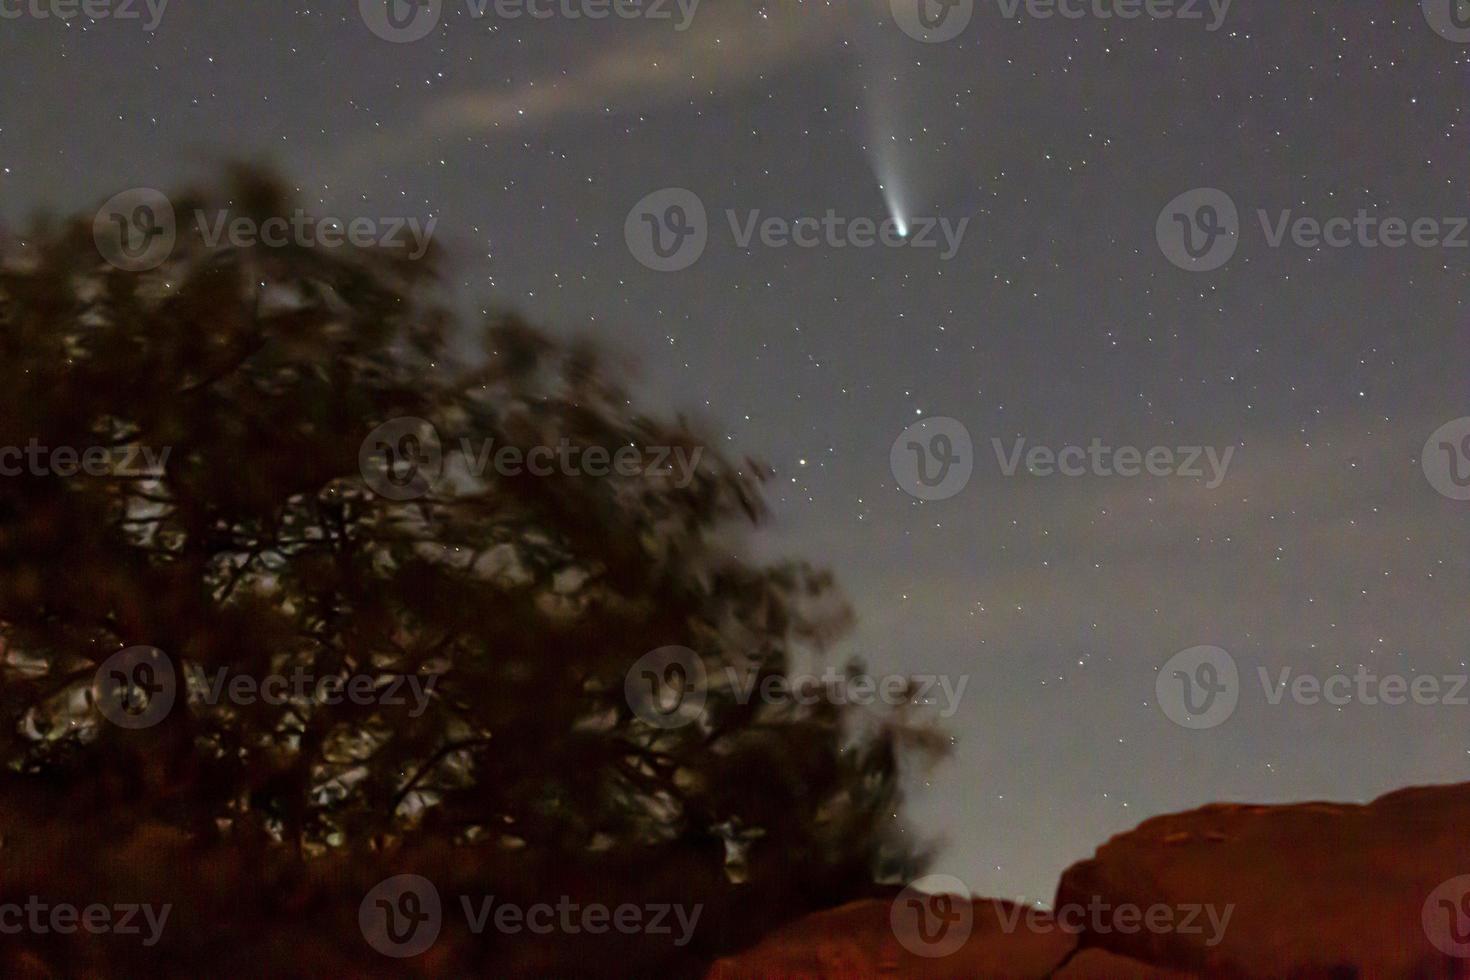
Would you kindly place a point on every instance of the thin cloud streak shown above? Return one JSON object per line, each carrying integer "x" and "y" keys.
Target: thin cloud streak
{"x": 727, "y": 47}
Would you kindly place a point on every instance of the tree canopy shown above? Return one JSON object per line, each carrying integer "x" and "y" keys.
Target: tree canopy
{"x": 256, "y": 537}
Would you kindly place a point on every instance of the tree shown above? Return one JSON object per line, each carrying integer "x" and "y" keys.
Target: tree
{"x": 321, "y": 497}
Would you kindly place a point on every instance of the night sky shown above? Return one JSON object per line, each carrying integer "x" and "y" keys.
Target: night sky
{"x": 1060, "y": 320}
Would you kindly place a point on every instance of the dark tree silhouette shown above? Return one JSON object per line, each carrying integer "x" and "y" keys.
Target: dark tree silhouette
{"x": 259, "y": 546}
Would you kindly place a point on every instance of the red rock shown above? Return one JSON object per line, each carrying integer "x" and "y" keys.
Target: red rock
{"x": 1318, "y": 889}
{"x": 856, "y": 941}
{"x": 1305, "y": 891}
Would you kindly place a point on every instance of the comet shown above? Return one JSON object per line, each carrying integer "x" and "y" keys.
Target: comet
{"x": 887, "y": 146}
{"x": 895, "y": 210}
